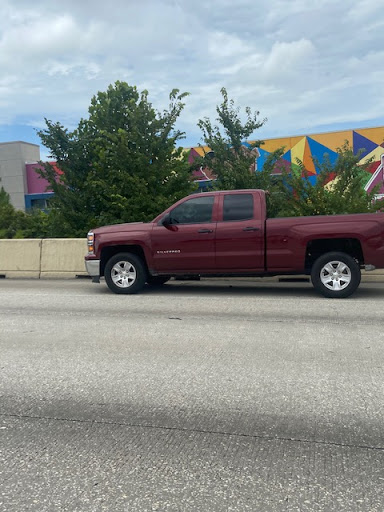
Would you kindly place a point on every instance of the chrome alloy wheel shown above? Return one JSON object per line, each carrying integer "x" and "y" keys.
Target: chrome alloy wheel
{"x": 123, "y": 274}
{"x": 336, "y": 275}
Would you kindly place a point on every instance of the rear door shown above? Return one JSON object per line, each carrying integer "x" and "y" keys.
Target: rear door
{"x": 189, "y": 242}
{"x": 240, "y": 233}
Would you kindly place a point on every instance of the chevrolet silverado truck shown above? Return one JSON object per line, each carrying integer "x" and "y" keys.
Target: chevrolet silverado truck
{"x": 227, "y": 233}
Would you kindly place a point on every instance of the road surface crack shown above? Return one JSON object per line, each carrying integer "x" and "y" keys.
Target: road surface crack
{"x": 195, "y": 430}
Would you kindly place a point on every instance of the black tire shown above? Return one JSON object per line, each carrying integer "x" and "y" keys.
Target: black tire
{"x": 336, "y": 275}
{"x": 157, "y": 280}
{"x": 125, "y": 273}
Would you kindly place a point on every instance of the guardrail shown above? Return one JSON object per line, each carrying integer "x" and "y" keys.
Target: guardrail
{"x": 61, "y": 258}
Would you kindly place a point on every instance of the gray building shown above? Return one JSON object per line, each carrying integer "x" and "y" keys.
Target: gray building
{"x": 13, "y": 176}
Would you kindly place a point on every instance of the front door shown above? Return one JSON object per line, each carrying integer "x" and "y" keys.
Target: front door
{"x": 188, "y": 242}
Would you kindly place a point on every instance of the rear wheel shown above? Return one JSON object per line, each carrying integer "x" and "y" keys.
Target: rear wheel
{"x": 336, "y": 275}
{"x": 157, "y": 280}
{"x": 125, "y": 273}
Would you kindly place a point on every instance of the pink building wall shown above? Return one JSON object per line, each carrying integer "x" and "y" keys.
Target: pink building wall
{"x": 35, "y": 183}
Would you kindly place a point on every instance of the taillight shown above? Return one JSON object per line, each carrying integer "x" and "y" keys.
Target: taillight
{"x": 90, "y": 242}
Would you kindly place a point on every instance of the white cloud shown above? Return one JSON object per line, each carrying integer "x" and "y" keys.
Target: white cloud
{"x": 225, "y": 45}
{"x": 286, "y": 58}
{"x": 302, "y": 64}
{"x": 365, "y": 10}
{"x": 35, "y": 37}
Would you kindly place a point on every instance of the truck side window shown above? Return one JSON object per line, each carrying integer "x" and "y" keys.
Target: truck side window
{"x": 238, "y": 207}
{"x": 193, "y": 211}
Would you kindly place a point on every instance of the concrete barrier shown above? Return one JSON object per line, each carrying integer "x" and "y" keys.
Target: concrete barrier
{"x": 62, "y": 258}
{"x": 50, "y": 258}
{"x": 20, "y": 258}
{"x": 374, "y": 276}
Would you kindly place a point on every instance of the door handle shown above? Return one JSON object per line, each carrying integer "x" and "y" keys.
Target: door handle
{"x": 251, "y": 229}
{"x": 205, "y": 231}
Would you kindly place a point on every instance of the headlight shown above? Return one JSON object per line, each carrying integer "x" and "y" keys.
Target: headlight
{"x": 90, "y": 240}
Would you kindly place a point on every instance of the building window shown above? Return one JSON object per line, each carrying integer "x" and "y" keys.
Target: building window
{"x": 39, "y": 204}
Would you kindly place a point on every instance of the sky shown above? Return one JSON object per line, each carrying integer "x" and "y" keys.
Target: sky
{"x": 307, "y": 67}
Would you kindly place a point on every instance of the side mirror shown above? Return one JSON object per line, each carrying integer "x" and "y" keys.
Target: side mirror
{"x": 166, "y": 221}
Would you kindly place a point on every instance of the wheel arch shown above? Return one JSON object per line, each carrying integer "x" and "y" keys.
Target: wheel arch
{"x": 317, "y": 247}
{"x": 110, "y": 250}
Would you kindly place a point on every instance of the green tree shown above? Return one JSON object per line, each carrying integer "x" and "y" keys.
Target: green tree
{"x": 120, "y": 164}
{"x": 4, "y": 198}
{"x": 338, "y": 189}
{"x": 232, "y": 162}
{"x": 9, "y": 217}
{"x": 18, "y": 224}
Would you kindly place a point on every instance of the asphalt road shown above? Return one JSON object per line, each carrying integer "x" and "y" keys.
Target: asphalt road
{"x": 201, "y": 396}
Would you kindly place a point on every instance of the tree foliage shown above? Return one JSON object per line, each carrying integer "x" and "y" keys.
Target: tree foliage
{"x": 12, "y": 221}
{"x": 338, "y": 188}
{"x": 4, "y": 198}
{"x": 119, "y": 165}
{"x": 6, "y": 213}
{"x": 18, "y": 224}
{"x": 232, "y": 161}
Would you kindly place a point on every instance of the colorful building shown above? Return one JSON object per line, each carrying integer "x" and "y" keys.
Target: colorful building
{"x": 369, "y": 142}
{"x": 18, "y": 161}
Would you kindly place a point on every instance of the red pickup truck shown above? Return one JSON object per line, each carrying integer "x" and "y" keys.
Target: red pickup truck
{"x": 227, "y": 233}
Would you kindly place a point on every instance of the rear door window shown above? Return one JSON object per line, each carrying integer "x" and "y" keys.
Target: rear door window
{"x": 237, "y": 207}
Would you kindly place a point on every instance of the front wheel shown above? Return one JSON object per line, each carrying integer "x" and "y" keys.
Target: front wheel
{"x": 336, "y": 275}
{"x": 125, "y": 273}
